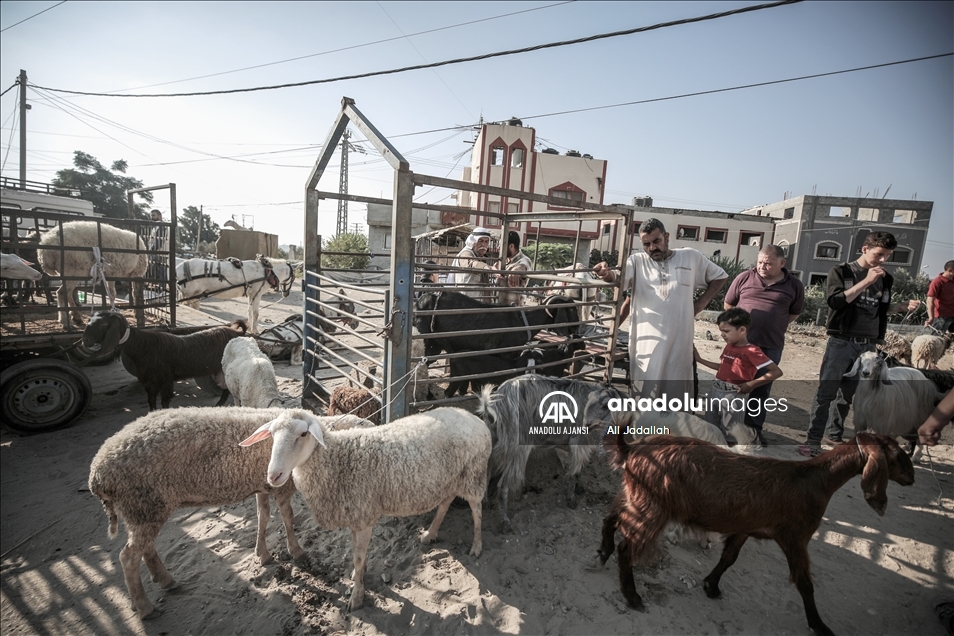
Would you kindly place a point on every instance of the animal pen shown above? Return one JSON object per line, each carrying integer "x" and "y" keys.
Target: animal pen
{"x": 382, "y": 352}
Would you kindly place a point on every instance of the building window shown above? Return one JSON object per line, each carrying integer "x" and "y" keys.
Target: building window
{"x": 901, "y": 257}
{"x": 516, "y": 158}
{"x": 494, "y": 207}
{"x": 839, "y": 211}
{"x": 512, "y": 208}
{"x": 687, "y": 233}
{"x": 789, "y": 213}
{"x": 387, "y": 241}
{"x": 716, "y": 236}
{"x": 636, "y": 225}
{"x": 574, "y": 196}
{"x": 606, "y": 229}
{"x": 491, "y": 221}
{"x": 868, "y": 214}
{"x": 497, "y": 155}
{"x": 827, "y": 251}
{"x": 817, "y": 279}
{"x": 753, "y": 239}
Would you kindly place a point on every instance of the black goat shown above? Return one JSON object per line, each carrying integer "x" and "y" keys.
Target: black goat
{"x": 556, "y": 312}
{"x": 158, "y": 359}
{"x": 943, "y": 380}
{"x": 542, "y": 361}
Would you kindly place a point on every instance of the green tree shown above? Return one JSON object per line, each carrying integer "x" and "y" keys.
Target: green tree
{"x": 550, "y": 255}
{"x": 106, "y": 187}
{"x": 357, "y": 246}
{"x": 732, "y": 268}
{"x": 609, "y": 257}
{"x": 188, "y": 225}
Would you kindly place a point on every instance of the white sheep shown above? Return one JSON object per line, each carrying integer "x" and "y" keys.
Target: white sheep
{"x": 926, "y": 350}
{"x": 14, "y": 267}
{"x": 57, "y": 261}
{"x": 409, "y": 467}
{"x": 187, "y": 457}
{"x": 891, "y": 401}
{"x": 249, "y": 375}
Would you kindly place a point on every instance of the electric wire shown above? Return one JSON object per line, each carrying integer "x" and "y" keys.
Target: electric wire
{"x": 32, "y": 16}
{"x": 485, "y": 56}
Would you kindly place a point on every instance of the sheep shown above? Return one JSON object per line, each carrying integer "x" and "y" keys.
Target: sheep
{"x": 891, "y": 401}
{"x": 926, "y": 350}
{"x": 897, "y": 346}
{"x": 249, "y": 375}
{"x": 357, "y": 401}
{"x": 515, "y": 415}
{"x": 158, "y": 359}
{"x": 57, "y": 261}
{"x": 695, "y": 483}
{"x": 409, "y": 467}
{"x": 16, "y": 268}
{"x": 181, "y": 458}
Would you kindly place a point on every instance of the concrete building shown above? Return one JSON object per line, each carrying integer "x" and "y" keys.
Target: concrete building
{"x": 504, "y": 156}
{"x": 728, "y": 234}
{"x": 818, "y": 232}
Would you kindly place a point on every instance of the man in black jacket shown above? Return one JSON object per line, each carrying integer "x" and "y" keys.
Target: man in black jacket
{"x": 859, "y": 301}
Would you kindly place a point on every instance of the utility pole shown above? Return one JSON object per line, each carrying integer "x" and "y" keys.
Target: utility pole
{"x": 346, "y": 146}
{"x": 24, "y": 107}
{"x": 198, "y": 232}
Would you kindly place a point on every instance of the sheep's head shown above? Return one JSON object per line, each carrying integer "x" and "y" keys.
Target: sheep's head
{"x": 296, "y": 433}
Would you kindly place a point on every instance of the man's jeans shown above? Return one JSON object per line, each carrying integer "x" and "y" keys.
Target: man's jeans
{"x": 833, "y": 387}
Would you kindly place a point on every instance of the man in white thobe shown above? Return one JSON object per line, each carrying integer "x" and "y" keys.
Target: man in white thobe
{"x": 662, "y": 283}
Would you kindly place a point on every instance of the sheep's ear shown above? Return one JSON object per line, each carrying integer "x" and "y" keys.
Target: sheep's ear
{"x": 261, "y": 433}
{"x": 854, "y": 369}
{"x": 874, "y": 478}
{"x": 314, "y": 427}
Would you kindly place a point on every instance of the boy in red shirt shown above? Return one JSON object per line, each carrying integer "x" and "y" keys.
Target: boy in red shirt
{"x": 735, "y": 377}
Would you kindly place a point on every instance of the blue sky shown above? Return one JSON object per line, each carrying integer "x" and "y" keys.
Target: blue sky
{"x": 871, "y": 129}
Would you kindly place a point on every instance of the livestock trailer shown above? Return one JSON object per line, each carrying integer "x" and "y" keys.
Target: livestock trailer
{"x": 42, "y": 383}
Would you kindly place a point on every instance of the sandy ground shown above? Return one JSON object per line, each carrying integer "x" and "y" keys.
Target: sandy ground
{"x": 60, "y": 574}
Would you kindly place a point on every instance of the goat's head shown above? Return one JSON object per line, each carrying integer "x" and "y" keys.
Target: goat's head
{"x": 562, "y": 310}
{"x": 104, "y": 331}
{"x": 870, "y": 365}
{"x": 884, "y": 460}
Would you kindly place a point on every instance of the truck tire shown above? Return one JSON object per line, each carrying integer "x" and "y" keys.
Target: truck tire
{"x": 43, "y": 394}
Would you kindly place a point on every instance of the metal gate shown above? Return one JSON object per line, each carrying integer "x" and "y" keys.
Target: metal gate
{"x": 385, "y": 311}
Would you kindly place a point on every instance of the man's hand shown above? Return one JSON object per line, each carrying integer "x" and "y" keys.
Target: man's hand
{"x": 874, "y": 274}
{"x": 913, "y": 304}
{"x": 603, "y": 272}
{"x": 927, "y": 323}
{"x": 745, "y": 388}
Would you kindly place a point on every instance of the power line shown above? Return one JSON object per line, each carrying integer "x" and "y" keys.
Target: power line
{"x": 486, "y": 56}
{"x": 738, "y": 88}
{"x": 32, "y": 16}
{"x": 350, "y": 48}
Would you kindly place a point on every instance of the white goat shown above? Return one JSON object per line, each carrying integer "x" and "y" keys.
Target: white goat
{"x": 187, "y": 457}
{"x": 57, "y": 261}
{"x": 12, "y": 266}
{"x": 891, "y": 401}
{"x": 409, "y": 467}
{"x": 249, "y": 375}
{"x": 926, "y": 350}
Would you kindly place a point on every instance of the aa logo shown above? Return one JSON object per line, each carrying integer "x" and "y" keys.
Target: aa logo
{"x": 556, "y": 410}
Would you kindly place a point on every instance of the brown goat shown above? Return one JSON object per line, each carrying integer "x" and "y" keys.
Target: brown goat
{"x": 158, "y": 359}
{"x": 356, "y": 401}
{"x": 674, "y": 479}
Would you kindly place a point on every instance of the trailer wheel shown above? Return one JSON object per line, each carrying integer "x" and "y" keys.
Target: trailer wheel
{"x": 43, "y": 394}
